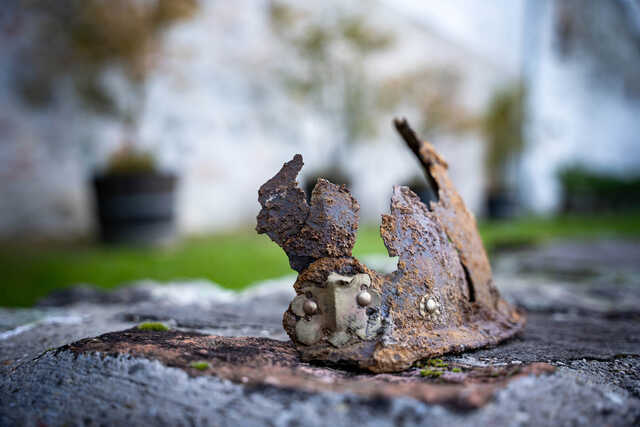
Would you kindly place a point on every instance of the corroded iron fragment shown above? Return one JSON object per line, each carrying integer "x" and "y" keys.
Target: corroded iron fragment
{"x": 440, "y": 299}
{"x": 326, "y": 229}
{"x": 457, "y": 221}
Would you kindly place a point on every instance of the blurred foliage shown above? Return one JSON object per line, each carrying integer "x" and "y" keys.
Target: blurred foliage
{"x": 435, "y": 93}
{"x": 77, "y": 39}
{"x": 588, "y": 191}
{"x": 128, "y": 160}
{"x": 332, "y": 52}
{"x": 238, "y": 259}
{"x": 604, "y": 35}
{"x": 503, "y": 127}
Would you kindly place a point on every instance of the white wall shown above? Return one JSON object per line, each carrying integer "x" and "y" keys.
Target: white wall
{"x": 216, "y": 116}
{"x": 575, "y": 117}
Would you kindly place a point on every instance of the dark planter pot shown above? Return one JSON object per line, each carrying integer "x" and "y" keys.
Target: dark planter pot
{"x": 501, "y": 205}
{"x": 136, "y": 208}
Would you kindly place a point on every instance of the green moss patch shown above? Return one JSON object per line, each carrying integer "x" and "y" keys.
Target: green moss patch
{"x": 437, "y": 363}
{"x": 200, "y": 366}
{"x": 432, "y": 373}
{"x": 153, "y": 326}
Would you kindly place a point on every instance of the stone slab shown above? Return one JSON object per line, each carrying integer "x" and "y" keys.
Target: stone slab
{"x": 583, "y": 323}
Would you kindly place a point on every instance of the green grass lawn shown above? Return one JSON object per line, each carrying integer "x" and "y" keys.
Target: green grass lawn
{"x": 238, "y": 259}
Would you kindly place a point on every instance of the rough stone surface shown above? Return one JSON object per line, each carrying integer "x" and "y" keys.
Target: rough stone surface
{"x": 581, "y": 319}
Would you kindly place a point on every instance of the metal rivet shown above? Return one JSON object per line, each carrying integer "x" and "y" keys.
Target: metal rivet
{"x": 310, "y": 307}
{"x": 432, "y": 305}
{"x": 364, "y": 298}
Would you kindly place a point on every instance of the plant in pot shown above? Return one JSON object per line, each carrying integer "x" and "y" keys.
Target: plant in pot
{"x": 503, "y": 126}
{"x": 85, "y": 42}
{"x": 330, "y": 76}
{"x": 135, "y": 202}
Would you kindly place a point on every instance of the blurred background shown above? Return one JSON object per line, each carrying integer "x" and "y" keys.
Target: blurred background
{"x": 134, "y": 134}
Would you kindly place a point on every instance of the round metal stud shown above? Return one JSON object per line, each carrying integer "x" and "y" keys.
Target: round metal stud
{"x": 310, "y": 307}
{"x": 364, "y": 298}
{"x": 432, "y": 305}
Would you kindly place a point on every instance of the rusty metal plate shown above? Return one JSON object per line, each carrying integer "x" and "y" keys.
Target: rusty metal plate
{"x": 440, "y": 299}
{"x": 260, "y": 362}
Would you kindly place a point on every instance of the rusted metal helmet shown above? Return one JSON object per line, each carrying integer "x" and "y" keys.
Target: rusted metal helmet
{"x": 440, "y": 299}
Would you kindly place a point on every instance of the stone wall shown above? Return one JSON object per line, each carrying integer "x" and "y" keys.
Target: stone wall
{"x": 217, "y": 116}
